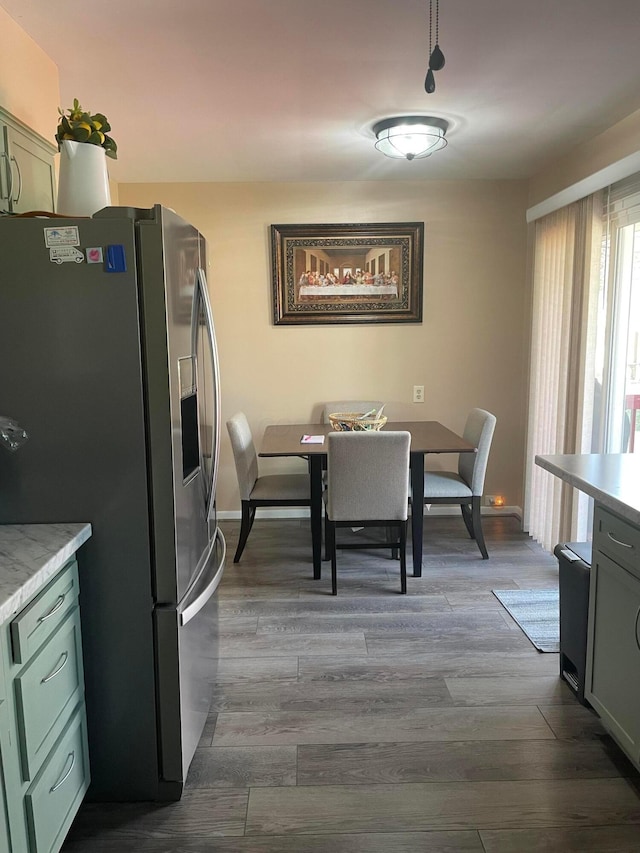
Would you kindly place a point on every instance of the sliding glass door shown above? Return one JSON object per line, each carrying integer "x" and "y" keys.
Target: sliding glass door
{"x": 618, "y": 419}
{"x": 584, "y": 390}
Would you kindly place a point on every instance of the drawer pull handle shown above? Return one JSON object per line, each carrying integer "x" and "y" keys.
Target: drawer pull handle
{"x": 618, "y": 542}
{"x": 64, "y": 657}
{"x": 637, "y": 634}
{"x": 54, "y": 609}
{"x": 61, "y": 781}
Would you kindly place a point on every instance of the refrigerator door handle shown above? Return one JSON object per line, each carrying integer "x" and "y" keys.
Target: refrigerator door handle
{"x": 202, "y": 293}
{"x": 191, "y": 609}
{"x": 17, "y": 198}
{"x": 9, "y": 176}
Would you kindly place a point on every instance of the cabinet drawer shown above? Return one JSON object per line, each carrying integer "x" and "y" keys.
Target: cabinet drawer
{"x": 40, "y": 619}
{"x": 617, "y": 538}
{"x": 47, "y": 690}
{"x": 55, "y": 796}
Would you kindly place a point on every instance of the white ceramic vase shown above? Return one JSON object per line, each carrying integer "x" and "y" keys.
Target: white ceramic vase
{"x": 83, "y": 183}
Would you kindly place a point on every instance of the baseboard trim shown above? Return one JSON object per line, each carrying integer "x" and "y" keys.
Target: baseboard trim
{"x": 264, "y": 512}
{"x": 303, "y": 512}
{"x": 485, "y": 510}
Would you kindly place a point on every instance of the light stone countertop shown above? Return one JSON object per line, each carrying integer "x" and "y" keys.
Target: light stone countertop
{"x": 31, "y": 554}
{"x": 612, "y": 479}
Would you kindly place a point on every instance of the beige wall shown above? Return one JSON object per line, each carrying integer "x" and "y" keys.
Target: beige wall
{"x": 29, "y": 84}
{"x": 28, "y": 79}
{"x": 617, "y": 142}
{"x": 471, "y": 347}
{"x": 467, "y": 352}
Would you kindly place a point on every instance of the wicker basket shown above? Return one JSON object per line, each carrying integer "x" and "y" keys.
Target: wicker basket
{"x": 354, "y": 422}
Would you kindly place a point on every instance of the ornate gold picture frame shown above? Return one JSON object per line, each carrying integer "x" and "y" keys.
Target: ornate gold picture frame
{"x": 369, "y": 273}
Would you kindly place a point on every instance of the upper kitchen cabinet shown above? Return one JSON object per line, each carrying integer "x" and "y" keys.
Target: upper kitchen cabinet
{"x": 27, "y": 178}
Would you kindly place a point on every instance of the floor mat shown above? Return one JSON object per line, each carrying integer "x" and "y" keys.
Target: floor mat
{"x": 537, "y": 612}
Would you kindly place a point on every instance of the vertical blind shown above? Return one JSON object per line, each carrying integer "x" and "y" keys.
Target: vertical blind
{"x": 567, "y": 243}
{"x": 581, "y": 314}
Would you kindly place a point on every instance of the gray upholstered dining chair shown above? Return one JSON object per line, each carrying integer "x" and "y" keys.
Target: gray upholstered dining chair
{"x": 359, "y": 406}
{"x": 368, "y": 486}
{"x": 255, "y": 491}
{"x": 467, "y": 485}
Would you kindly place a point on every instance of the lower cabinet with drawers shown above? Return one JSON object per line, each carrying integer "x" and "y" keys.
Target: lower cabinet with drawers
{"x": 4, "y": 823}
{"x": 612, "y": 672}
{"x": 613, "y": 645}
{"x": 43, "y": 736}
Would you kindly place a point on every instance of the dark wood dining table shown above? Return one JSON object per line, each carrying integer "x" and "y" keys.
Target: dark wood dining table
{"x": 426, "y": 437}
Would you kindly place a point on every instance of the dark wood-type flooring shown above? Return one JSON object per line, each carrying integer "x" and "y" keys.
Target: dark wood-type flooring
{"x": 380, "y": 723}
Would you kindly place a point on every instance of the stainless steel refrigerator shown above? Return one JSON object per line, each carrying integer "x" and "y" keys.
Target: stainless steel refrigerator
{"x": 108, "y": 361}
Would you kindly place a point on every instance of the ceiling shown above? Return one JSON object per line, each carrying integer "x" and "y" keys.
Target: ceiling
{"x": 287, "y": 90}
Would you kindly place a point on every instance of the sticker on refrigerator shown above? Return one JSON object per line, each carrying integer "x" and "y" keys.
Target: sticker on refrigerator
{"x": 65, "y": 254}
{"x": 67, "y": 235}
{"x": 94, "y": 255}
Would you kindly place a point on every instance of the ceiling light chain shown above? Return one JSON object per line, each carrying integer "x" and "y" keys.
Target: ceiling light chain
{"x": 436, "y": 56}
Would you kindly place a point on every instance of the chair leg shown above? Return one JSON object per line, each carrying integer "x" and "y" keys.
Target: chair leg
{"x": 391, "y": 538}
{"x": 468, "y": 520}
{"x": 403, "y": 557}
{"x": 327, "y": 555}
{"x": 330, "y": 531}
{"x": 477, "y": 526}
{"x": 248, "y": 514}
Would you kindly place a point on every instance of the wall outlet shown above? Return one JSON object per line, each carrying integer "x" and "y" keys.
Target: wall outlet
{"x": 418, "y": 393}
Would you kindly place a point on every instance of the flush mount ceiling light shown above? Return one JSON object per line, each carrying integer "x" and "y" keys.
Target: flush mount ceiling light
{"x": 410, "y": 137}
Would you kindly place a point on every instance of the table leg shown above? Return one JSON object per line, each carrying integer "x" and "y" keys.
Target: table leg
{"x": 417, "y": 503}
{"x": 315, "y": 466}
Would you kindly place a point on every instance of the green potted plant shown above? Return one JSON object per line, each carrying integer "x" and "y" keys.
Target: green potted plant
{"x": 83, "y": 141}
{"x": 81, "y": 126}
